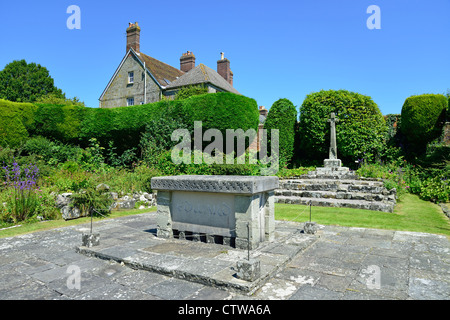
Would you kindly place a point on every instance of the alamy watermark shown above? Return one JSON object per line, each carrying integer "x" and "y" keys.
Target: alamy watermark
{"x": 74, "y": 280}
{"x": 74, "y": 20}
{"x": 221, "y": 148}
{"x": 373, "y": 273}
{"x": 374, "y": 21}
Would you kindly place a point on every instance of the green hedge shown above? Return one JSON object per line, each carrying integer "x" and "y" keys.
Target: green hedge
{"x": 423, "y": 117}
{"x": 283, "y": 116}
{"x": 16, "y": 119}
{"x": 222, "y": 111}
{"x": 123, "y": 125}
{"x": 360, "y": 132}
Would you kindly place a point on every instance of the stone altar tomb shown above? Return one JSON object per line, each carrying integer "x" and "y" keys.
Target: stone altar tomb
{"x": 232, "y": 210}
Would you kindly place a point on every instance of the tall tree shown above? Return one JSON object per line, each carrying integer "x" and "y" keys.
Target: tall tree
{"x": 26, "y": 82}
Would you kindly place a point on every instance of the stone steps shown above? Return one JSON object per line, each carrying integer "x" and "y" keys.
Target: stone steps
{"x": 348, "y": 191}
{"x": 368, "y": 196}
{"x": 338, "y": 203}
{"x": 333, "y": 185}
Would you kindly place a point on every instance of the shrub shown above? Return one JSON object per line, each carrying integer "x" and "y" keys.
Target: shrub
{"x": 222, "y": 111}
{"x": 124, "y": 125}
{"x": 190, "y": 91}
{"x": 360, "y": 132}
{"x": 283, "y": 116}
{"x": 423, "y": 117}
{"x": 15, "y": 121}
{"x": 157, "y": 137}
{"x": 90, "y": 200}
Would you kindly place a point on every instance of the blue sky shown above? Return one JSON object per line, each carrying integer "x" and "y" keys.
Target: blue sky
{"x": 278, "y": 49}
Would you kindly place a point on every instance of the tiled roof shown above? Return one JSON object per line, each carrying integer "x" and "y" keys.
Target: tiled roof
{"x": 202, "y": 74}
{"x": 160, "y": 70}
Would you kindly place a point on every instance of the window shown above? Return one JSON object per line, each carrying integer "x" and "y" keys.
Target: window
{"x": 130, "y": 101}
{"x": 131, "y": 77}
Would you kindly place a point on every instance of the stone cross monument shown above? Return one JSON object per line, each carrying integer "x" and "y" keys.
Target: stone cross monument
{"x": 332, "y": 161}
{"x": 333, "y": 147}
{"x": 332, "y": 167}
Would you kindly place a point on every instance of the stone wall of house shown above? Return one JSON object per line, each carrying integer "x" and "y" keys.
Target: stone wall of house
{"x": 119, "y": 90}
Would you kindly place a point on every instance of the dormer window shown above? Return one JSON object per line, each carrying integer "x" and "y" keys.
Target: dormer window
{"x": 130, "y": 77}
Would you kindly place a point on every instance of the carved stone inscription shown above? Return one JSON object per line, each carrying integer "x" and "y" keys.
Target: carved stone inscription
{"x": 204, "y": 209}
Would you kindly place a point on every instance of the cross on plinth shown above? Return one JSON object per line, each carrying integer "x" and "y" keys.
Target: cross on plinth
{"x": 333, "y": 147}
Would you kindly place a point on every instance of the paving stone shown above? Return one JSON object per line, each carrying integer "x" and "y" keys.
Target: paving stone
{"x": 174, "y": 289}
{"x": 333, "y": 264}
{"x": 31, "y": 290}
{"x": 315, "y": 293}
{"x": 209, "y": 293}
{"x": 87, "y": 283}
{"x": 140, "y": 279}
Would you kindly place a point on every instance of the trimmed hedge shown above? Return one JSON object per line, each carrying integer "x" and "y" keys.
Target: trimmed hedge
{"x": 16, "y": 119}
{"x": 360, "y": 132}
{"x": 283, "y": 116}
{"x": 423, "y": 117}
{"x": 222, "y": 111}
{"x": 122, "y": 125}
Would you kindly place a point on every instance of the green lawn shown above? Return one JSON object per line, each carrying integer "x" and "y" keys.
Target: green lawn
{"x": 410, "y": 214}
{"x": 40, "y": 226}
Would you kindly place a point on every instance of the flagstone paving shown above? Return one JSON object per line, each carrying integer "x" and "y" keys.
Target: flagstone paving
{"x": 131, "y": 263}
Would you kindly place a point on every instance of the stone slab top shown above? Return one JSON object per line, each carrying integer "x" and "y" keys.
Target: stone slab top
{"x": 216, "y": 183}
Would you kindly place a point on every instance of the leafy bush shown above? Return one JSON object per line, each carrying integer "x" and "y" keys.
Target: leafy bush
{"x": 392, "y": 175}
{"x": 428, "y": 184}
{"x": 360, "y": 132}
{"x": 157, "y": 137}
{"x": 124, "y": 125}
{"x": 90, "y": 200}
{"x": 15, "y": 121}
{"x": 288, "y": 173}
{"x": 190, "y": 91}
{"x": 283, "y": 116}
{"x": 423, "y": 117}
{"x": 222, "y": 111}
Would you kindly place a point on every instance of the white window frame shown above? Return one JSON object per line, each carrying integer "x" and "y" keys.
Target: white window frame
{"x": 130, "y": 77}
{"x": 130, "y": 101}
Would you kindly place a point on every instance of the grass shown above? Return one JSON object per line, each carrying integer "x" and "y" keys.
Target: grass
{"x": 410, "y": 214}
{"x": 52, "y": 224}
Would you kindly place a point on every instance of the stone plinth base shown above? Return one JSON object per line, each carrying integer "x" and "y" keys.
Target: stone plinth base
{"x": 310, "y": 227}
{"x": 90, "y": 240}
{"x": 248, "y": 270}
{"x": 332, "y": 163}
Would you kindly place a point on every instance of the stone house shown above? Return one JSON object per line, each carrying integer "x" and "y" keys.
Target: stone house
{"x": 141, "y": 79}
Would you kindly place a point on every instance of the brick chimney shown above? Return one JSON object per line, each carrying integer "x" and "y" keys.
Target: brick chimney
{"x": 187, "y": 61}
{"x": 223, "y": 68}
{"x": 133, "y": 37}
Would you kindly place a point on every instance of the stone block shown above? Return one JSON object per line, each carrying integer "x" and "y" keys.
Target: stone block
{"x": 248, "y": 270}
{"x": 90, "y": 240}
{"x": 310, "y": 227}
{"x": 69, "y": 213}
{"x": 332, "y": 163}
